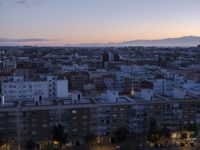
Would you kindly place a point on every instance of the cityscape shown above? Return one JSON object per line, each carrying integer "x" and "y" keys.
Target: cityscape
{"x": 93, "y": 76}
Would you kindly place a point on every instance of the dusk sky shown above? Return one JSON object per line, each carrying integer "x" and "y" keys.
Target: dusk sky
{"x": 60, "y": 22}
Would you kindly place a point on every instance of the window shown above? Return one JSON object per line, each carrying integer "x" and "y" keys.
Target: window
{"x": 192, "y": 122}
{"x": 122, "y": 109}
{"x": 44, "y": 125}
{"x": 34, "y": 132}
{"x": 84, "y": 117}
{"x": 114, "y": 109}
{"x": 74, "y": 111}
{"x": 176, "y": 105}
{"x": 74, "y": 118}
{"x": 74, "y": 130}
{"x": 114, "y": 115}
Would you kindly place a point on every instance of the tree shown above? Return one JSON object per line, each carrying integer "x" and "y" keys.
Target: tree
{"x": 59, "y": 135}
{"x": 193, "y": 128}
{"x": 128, "y": 146}
{"x": 48, "y": 146}
{"x": 184, "y": 135}
{"x": 1, "y": 139}
{"x": 121, "y": 134}
{"x": 30, "y": 144}
{"x": 166, "y": 132}
{"x": 152, "y": 135}
{"x": 90, "y": 138}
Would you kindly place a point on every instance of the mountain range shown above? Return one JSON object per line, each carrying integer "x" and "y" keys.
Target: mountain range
{"x": 185, "y": 41}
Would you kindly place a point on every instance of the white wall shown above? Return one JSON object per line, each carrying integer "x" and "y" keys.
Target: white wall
{"x": 28, "y": 90}
{"x": 147, "y": 94}
{"x": 34, "y": 90}
{"x": 62, "y": 88}
{"x": 111, "y": 96}
{"x": 179, "y": 93}
{"x": 163, "y": 86}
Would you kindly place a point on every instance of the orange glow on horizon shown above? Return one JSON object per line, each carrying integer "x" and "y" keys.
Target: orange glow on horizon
{"x": 99, "y": 40}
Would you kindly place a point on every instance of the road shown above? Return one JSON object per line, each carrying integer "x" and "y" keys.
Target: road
{"x": 103, "y": 148}
{"x": 176, "y": 148}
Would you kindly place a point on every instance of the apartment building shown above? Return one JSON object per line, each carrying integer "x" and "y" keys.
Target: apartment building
{"x": 78, "y": 115}
{"x": 101, "y": 116}
{"x": 16, "y": 88}
{"x": 174, "y": 114}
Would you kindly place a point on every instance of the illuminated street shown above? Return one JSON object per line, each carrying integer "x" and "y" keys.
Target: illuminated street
{"x": 103, "y": 148}
{"x": 176, "y": 148}
{"x": 112, "y": 147}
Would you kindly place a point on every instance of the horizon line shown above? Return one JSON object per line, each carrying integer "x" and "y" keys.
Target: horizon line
{"x": 38, "y": 41}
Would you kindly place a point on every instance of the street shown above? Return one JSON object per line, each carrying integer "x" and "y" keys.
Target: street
{"x": 175, "y": 148}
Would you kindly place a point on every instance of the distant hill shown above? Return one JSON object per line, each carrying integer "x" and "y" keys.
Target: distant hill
{"x": 181, "y": 41}
{"x": 185, "y": 41}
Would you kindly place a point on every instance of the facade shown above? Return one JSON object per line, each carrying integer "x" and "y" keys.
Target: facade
{"x": 77, "y": 79}
{"x": 101, "y": 116}
{"x": 15, "y": 88}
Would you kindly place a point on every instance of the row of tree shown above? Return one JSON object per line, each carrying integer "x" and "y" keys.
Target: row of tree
{"x": 154, "y": 133}
{"x": 119, "y": 135}
{"x": 57, "y": 135}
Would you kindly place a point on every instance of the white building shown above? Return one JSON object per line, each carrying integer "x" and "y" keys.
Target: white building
{"x": 179, "y": 93}
{"x": 10, "y": 64}
{"x": 16, "y": 88}
{"x": 74, "y": 67}
{"x": 163, "y": 86}
{"x": 147, "y": 94}
{"x": 110, "y": 96}
{"x": 193, "y": 89}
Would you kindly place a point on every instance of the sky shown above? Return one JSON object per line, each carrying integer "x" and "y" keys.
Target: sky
{"x": 61, "y": 22}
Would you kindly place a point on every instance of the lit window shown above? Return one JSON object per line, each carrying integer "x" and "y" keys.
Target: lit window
{"x": 74, "y": 111}
{"x": 114, "y": 115}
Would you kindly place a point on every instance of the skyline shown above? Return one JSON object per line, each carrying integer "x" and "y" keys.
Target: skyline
{"x": 72, "y": 22}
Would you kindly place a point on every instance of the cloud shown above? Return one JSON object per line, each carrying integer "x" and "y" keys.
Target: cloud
{"x": 27, "y": 40}
{"x": 21, "y": 2}
{"x": 29, "y": 2}
{"x": 24, "y": 2}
